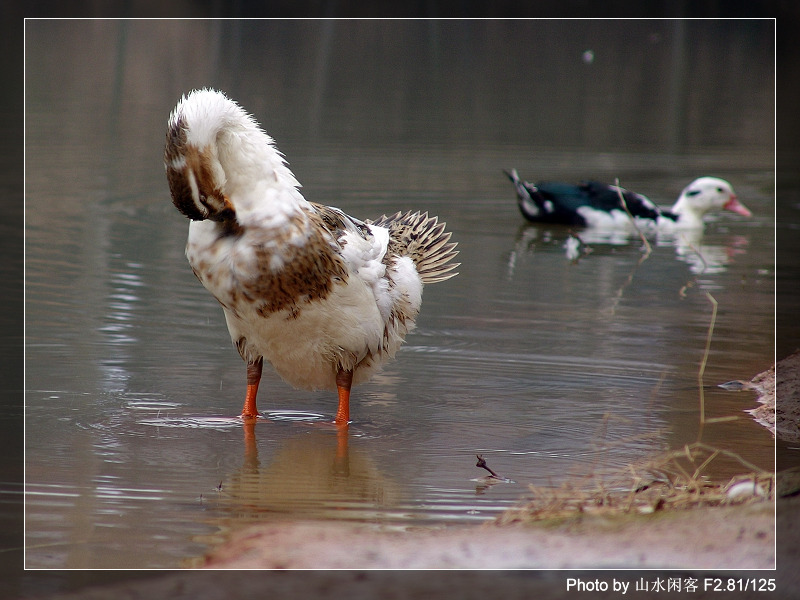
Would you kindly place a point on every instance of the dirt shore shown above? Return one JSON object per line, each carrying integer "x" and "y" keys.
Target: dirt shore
{"x": 699, "y": 542}
{"x": 735, "y": 537}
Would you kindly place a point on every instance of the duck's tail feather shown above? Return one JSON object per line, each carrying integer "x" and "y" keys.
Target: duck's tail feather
{"x": 424, "y": 240}
{"x": 529, "y": 199}
{"x": 523, "y": 193}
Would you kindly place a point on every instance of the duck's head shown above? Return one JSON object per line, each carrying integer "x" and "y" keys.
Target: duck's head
{"x": 707, "y": 194}
{"x": 218, "y": 159}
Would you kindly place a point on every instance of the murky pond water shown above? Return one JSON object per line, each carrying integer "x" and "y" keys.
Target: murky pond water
{"x": 546, "y": 367}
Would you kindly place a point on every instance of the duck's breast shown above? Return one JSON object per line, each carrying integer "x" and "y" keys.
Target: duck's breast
{"x": 307, "y": 346}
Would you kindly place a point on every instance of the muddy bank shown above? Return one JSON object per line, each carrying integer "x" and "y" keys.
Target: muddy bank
{"x": 711, "y": 540}
{"x": 725, "y": 537}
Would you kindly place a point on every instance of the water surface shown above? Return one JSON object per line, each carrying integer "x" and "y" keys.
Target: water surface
{"x": 548, "y": 368}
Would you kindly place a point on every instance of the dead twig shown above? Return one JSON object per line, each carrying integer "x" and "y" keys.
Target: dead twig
{"x": 482, "y": 464}
{"x": 702, "y": 369}
{"x": 693, "y": 281}
{"x": 642, "y": 258}
{"x": 647, "y": 247}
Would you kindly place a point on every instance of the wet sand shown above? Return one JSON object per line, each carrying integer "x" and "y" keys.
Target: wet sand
{"x": 700, "y": 542}
{"x": 720, "y": 538}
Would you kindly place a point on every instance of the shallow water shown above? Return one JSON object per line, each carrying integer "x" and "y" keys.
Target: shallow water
{"x": 548, "y": 368}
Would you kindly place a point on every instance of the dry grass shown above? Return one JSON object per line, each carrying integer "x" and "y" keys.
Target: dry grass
{"x": 672, "y": 480}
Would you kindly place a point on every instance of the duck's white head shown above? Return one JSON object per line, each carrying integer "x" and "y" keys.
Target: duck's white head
{"x": 219, "y": 161}
{"x": 704, "y": 195}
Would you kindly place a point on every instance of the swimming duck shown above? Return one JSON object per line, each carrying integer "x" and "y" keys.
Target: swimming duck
{"x": 593, "y": 204}
{"x": 324, "y": 297}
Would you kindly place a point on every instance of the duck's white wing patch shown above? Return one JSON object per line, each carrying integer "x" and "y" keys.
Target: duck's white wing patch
{"x": 364, "y": 254}
{"x": 394, "y": 281}
{"x": 363, "y": 249}
{"x": 604, "y": 219}
{"x": 614, "y": 220}
{"x": 407, "y": 284}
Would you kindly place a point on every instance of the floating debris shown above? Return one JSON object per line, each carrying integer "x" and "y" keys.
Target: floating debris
{"x": 482, "y": 464}
{"x": 490, "y": 479}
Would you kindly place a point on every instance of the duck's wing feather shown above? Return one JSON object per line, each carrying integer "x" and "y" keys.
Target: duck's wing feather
{"x": 337, "y": 222}
{"x": 567, "y": 203}
{"x": 549, "y": 202}
{"x": 360, "y": 245}
{"x": 368, "y": 246}
{"x": 607, "y": 198}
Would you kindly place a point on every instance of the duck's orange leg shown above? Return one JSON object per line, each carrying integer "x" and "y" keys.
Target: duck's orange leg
{"x": 253, "y": 379}
{"x": 344, "y": 380}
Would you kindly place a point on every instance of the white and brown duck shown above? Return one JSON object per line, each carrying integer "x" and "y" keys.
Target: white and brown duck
{"x": 325, "y": 298}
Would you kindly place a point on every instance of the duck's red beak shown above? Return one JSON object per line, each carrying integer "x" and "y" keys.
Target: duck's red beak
{"x": 734, "y": 205}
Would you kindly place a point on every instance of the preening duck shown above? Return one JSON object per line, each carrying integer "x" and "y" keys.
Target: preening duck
{"x": 324, "y": 297}
{"x": 593, "y": 204}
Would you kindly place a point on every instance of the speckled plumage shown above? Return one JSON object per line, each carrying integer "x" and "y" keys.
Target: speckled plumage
{"x": 310, "y": 289}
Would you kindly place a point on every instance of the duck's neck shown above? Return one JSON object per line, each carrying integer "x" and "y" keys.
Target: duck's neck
{"x": 688, "y": 216}
{"x": 257, "y": 180}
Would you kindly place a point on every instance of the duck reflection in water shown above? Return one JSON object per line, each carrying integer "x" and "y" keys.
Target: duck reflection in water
{"x": 579, "y": 244}
{"x": 314, "y": 474}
